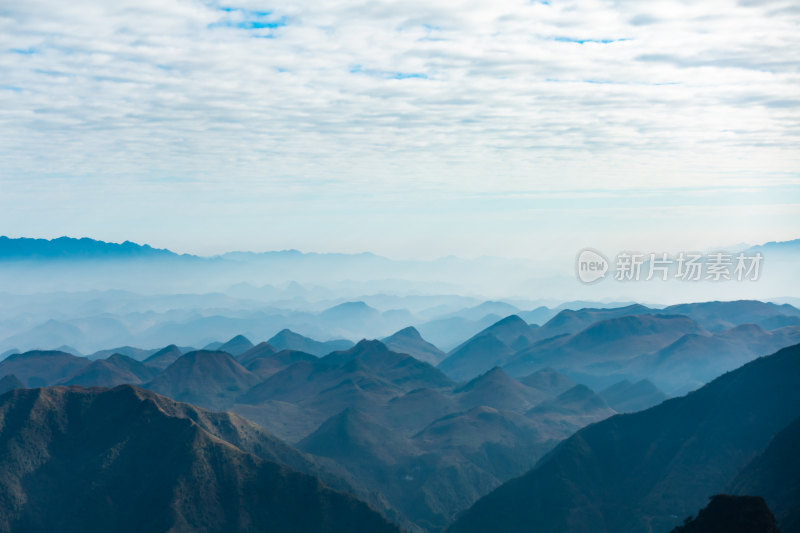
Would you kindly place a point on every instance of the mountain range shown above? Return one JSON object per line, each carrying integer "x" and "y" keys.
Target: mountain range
{"x": 642, "y": 471}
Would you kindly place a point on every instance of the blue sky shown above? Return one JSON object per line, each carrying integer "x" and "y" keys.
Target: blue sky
{"x": 410, "y": 129}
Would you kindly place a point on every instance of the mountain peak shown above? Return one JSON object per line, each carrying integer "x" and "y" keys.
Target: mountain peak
{"x": 410, "y": 333}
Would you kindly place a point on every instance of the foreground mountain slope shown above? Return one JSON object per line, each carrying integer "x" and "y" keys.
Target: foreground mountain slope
{"x": 775, "y": 475}
{"x": 732, "y": 514}
{"x": 642, "y": 471}
{"x": 149, "y": 471}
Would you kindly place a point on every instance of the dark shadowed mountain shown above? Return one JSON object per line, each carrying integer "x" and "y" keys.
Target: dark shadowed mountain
{"x": 154, "y": 466}
{"x": 410, "y": 342}
{"x": 489, "y": 348}
{"x": 643, "y": 471}
{"x": 289, "y": 340}
{"x": 10, "y": 382}
{"x": 501, "y": 443}
{"x": 775, "y": 475}
{"x": 424, "y": 488}
{"x": 164, "y": 357}
{"x": 41, "y": 368}
{"x": 549, "y": 381}
{"x": 627, "y": 397}
{"x": 236, "y": 346}
{"x": 732, "y": 514}
{"x": 115, "y": 370}
{"x": 208, "y": 379}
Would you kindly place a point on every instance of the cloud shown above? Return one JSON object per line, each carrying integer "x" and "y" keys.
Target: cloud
{"x": 380, "y": 97}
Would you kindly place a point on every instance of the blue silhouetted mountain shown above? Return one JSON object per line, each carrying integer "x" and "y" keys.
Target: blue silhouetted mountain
{"x": 627, "y": 397}
{"x": 716, "y": 316}
{"x": 349, "y": 314}
{"x": 409, "y": 341}
{"x": 152, "y": 464}
{"x": 236, "y": 346}
{"x": 614, "y": 340}
{"x": 571, "y": 321}
{"x": 697, "y": 358}
{"x": 549, "y": 381}
{"x": 774, "y": 475}
{"x": 40, "y": 368}
{"x": 69, "y": 248}
{"x": 47, "y": 335}
{"x": 287, "y": 339}
{"x": 10, "y": 382}
{"x": 487, "y": 308}
{"x": 732, "y": 514}
{"x": 647, "y": 470}
{"x": 490, "y": 348}
{"x": 140, "y": 354}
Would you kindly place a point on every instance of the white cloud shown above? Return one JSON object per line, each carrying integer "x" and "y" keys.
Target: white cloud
{"x": 388, "y": 98}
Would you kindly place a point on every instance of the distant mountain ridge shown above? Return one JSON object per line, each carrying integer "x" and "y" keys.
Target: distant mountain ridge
{"x": 71, "y": 248}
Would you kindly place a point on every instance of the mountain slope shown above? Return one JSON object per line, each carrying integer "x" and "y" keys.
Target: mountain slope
{"x": 39, "y": 368}
{"x": 10, "y": 382}
{"x": 116, "y": 370}
{"x": 410, "y": 342}
{"x": 69, "y": 248}
{"x": 775, "y": 475}
{"x": 149, "y": 471}
{"x": 208, "y": 379}
{"x": 287, "y": 339}
{"x": 627, "y": 397}
{"x": 164, "y": 357}
{"x": 732, "y": 514}
{"x": 640, "y": 472}
{"x": 236, "y": 346}
{"x": 489, "y": 348}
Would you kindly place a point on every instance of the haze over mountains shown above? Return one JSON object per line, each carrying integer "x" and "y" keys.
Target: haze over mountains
{"x": 390, "y": 411}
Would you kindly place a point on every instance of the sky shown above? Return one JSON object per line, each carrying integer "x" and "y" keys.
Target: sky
{"x": 412, "y": 129}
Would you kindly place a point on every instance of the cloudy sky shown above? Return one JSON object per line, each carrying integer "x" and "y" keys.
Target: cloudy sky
{"x": 410, "y": 129}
